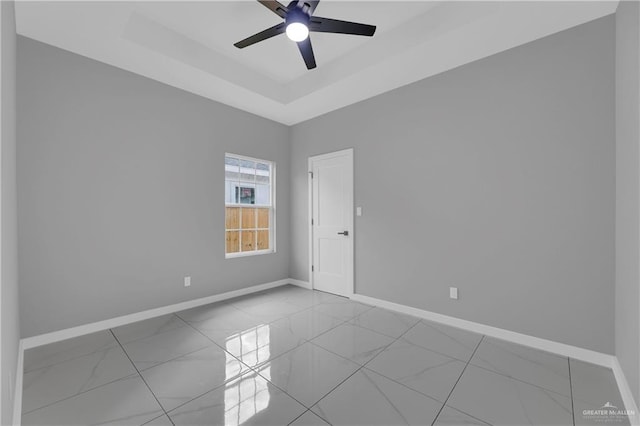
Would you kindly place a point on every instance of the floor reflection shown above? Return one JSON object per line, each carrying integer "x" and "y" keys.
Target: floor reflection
{"x": 246, "y": 396}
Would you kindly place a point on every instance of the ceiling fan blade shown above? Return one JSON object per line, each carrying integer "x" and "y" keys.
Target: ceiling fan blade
{"x": 276, "y": 7}
{"x": 307, "y": 53}
{"x": 326, "y": 25}
{"x": 262, "y": 35}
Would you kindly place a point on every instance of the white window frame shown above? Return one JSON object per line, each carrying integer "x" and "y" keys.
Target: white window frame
{"x": 272, "y": 212}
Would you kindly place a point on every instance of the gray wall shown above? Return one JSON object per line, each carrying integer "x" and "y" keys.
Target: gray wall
{"x": 514, "y": 155}
{"x": 627, "y": 322}
{"x": 121, "y": 191}
{"x": 9, "y": 291}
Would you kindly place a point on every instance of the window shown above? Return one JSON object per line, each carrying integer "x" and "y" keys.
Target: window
{"x": 249, "y": 205}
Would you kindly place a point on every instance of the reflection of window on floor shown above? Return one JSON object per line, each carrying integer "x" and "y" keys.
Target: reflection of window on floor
{"x": 247, "y": 395}
{"x": 253, "y": 344}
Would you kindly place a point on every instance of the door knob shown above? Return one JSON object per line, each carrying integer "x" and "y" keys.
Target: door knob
{"x": 345, "y": 233}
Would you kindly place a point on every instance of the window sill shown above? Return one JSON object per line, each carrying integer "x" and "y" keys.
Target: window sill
{"x": 248, "y": 253}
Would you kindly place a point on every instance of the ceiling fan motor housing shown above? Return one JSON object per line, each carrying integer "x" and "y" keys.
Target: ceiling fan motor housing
{"x": 297, "y": 15}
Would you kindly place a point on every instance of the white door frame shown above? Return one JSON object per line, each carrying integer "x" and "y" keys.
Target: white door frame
{"x": 349, "y": 153}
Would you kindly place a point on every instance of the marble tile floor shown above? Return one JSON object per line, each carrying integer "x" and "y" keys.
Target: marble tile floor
{"x": 290, "y": 356}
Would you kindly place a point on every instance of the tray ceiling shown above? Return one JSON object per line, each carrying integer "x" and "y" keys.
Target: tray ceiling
{"x": 189, "y": 45}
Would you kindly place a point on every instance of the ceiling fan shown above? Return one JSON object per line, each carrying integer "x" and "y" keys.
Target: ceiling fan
{"x": 299, "y": 21}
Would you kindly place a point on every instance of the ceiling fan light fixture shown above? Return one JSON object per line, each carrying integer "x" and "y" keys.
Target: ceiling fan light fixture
{"x": 299, "y": 20}
{"x": 297, "y": 31}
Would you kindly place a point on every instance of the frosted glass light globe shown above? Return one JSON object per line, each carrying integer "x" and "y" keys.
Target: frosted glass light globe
{"x": 297, "y": 31}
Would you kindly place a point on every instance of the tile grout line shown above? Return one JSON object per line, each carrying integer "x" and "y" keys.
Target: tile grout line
{"x": 394, "y": 341}
{"x": 225, "y": 383}
{"x": 419, "y": 392}
{"x": 490, "y": 370}
{"x": 573, "y": 414}
{"x": 429, "y": 350}
{"x": 466, "y": 414}
{"x": 360, "y": 366}
{"x": 156, "y": 418}
{"x": 357, "y": 370}
{"x": 303, "y": 309}
{"x": 170, "y": 359}
{"x": 300, "y": 309}
{"x": 142, "y": 378}
{"x": 238, "y": 359}
{"x": 116, "y": 345}
{"x": 343, "y": 322}
{"x": 347, "y": 322}
{"x": 79, "y": 393}
{"x": 158, "y": 333}
{"x": 504, "y": 374}
{"x": 521, "y": 381}
{"x": 70, "y": 359}
{"x": 350, "y": 322}
{"x": 457, "y": 381}
{"x": 291, "y": 422}
{"x": 255, "y": 369}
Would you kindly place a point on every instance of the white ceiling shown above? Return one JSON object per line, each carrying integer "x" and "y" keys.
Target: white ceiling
{"x": 189, "y": 45}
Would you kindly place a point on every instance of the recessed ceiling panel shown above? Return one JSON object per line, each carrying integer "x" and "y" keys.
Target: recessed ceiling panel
{"x": 189, "y": 45}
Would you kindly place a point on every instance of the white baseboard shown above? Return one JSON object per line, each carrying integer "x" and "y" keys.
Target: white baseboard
{"x": 512, "y": 336}
{"x": 17, "y": 397}
{"x": 625, "y": 392}
{"x": 300, "y": 283}
{"x": 56, "y": 336}
{"x": 598, "y": 358}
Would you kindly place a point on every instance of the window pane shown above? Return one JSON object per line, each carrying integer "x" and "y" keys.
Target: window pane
{"x": 247, "y": 164}
{"x": 246, "y": 177}
{"x": 263, "y": 240}
{"x": 231, "y": 168}
{"x": 263, "y": 218}
{"x": 263, "y": 196}
{"x": 233, "y": 218}
{"x": 263, "y": 173}
{"x": 262, "y": 177}
{"x": 233, "y": 242}
{"x": 248, "y": 218}
{"x": 245, "y": 195}
{"x": 248, "y": 240}
{"x": 229, "y": 192}
{"x": 247, "y": 170}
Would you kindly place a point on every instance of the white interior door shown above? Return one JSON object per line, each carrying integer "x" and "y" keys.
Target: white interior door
{"x": 332, "y": 222}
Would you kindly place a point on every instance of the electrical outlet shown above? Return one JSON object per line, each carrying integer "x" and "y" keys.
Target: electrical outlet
{"x": 187, "y": 281}
{"x": 358, "y": 211}
{"x": 453, "y": 293}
